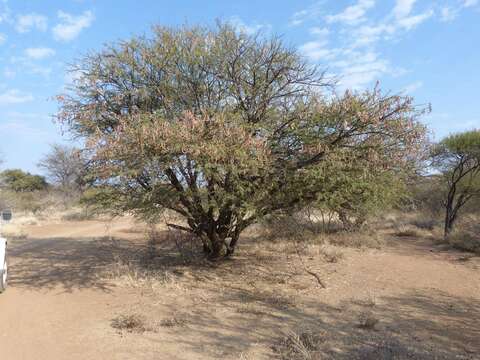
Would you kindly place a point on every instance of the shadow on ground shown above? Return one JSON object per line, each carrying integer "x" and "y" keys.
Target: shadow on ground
{"x": 236, "y": 314}
{"x": 73, "y": 263}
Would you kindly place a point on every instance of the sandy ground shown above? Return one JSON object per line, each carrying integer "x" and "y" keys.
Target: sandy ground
{"x": 66, "y": 286}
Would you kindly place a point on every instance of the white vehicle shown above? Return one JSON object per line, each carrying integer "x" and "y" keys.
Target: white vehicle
{"x": 6, "y": 216}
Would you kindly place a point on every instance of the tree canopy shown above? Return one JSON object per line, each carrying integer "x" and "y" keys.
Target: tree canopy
{"x": 224, "y": 128}
{"x": 457, "y": 157}
{"x": 64, "y": 166}
{"x": 19, "y": 181}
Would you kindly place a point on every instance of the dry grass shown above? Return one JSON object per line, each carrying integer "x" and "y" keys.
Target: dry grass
{"x": 174, "y": 321}
{"x": 129, "y": 323}
{"x": 360, "y": 239}
{"x": 466, "y": 236}
{"x": 406, "y": 231}
{"x": 367, "y": 320}
{"x": 300, "y": 345}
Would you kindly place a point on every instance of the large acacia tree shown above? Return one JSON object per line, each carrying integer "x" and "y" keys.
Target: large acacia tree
{"x": 224, "y": 128}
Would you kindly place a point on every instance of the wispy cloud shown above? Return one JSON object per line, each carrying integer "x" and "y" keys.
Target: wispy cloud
{"x": 411, "y": 22}
{"x": 411, "y": 88}
{"x": 39, "y": 53}
{"x": 248, "y": 29}
{"x": 70, "y": 26}
{"x": 17, "y": 125}
{"x": 448, "y": 14}
{"x": 29, "y": 22}
{"x": 403, "y": 8}
{"x": 353, "y": 14}
{"x": 356, "y": 57}
{"x": 313, "y": 11}
{"x": 470, "y": 3}
{"x": 14, "y": 96}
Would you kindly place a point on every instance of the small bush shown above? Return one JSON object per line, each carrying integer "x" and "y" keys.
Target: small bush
{"x": 424, "y": 223}
{"x": 78, "y": 215}
{"x": 466, "y": 236}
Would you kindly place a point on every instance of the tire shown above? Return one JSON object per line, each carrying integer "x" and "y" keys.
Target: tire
{"x": 4, "y": 274}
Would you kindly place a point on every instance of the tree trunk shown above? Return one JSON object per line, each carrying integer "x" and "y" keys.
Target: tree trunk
{"x": 450, "y": 216}
{"x": 212, "y": 245}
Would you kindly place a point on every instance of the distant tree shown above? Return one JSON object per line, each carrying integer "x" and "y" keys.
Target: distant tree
{"x": 225, "y": 128}
{"x": 20, "y": 181}
{"x": 65, "y": 167}
{"x": 457, "y": 157}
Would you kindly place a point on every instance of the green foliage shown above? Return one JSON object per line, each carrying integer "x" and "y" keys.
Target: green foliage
{"x": 457, "y": 157}
{"x": 20, "y": 181}
{"x": 224, "y": 128}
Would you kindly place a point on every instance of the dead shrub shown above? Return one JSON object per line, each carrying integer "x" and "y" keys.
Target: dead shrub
{"x": 302, "y": 345}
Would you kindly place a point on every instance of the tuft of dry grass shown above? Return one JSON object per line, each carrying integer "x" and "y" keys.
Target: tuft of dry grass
{"x": 174, "y": 321}
{"x": 406, "y": 231}
{"x": 301, "y": 345}
{"x": 130, "y": 323}
{"x": 367, "y": 320}
{"x": 331, "y": 254}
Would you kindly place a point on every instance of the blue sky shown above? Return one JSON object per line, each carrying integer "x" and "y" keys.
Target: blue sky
{"x": 425, "y": 48}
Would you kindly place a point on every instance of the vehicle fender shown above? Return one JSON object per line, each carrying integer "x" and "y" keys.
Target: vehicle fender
{"x": 3, "y": 249}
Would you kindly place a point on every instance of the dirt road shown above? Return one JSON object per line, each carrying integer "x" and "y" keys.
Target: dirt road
{"x": 59, "y": 305}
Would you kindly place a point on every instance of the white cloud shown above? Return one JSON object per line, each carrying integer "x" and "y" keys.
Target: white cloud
{"x": 353, "y": 14}
{"x": 28, "y": 22}
{"x": 410, "y": 88}
{"x": 448, "y": 14}
{"x": 470, "y": 3}
{"x": 70, "y": 26}
{"x": 312, "y": 12}
{"x": 18, "y": 124}
{"x": 9, "y": 73}
{"x": 3, "y": 38}
{"x": 14, "y": 96}
{"x": 317, "y": 50}
{"x": 370, "y": 34}
{"x": 359, "y": 70}
{"x": 39, "y": 53}
{"x": 413, "y": 21}
{"x": 403, "y": 8}
{"x": 248, "y": 29}
{"x": 5, "y": 13}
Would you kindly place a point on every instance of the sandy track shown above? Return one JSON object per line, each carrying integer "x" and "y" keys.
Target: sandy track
{"x": 57, "y": 307}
